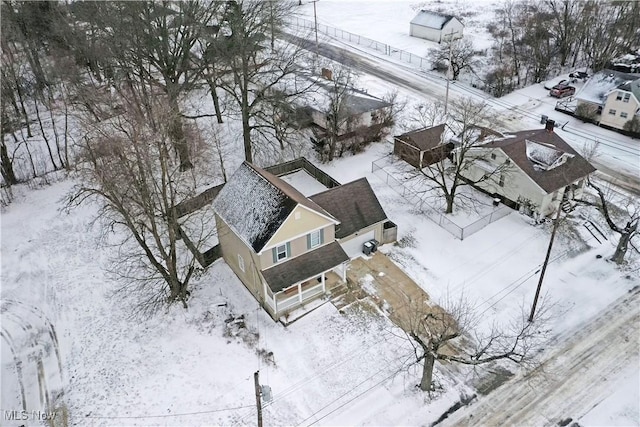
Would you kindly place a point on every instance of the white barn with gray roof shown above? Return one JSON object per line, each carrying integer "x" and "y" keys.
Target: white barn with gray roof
{"x": 435, "y": 26}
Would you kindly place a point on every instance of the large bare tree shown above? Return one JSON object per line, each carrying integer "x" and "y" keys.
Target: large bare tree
{"x": 253, "y": 66}
{"x": 446, "y": 176}
{"x": 131, "y": 169}
{"x": 451, "y": 333}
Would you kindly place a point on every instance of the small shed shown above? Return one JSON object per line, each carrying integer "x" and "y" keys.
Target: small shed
{"x": 435, "y": 26}
{"x": 423, "y": 147}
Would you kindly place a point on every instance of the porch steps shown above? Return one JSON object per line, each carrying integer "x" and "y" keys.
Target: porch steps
{"x": 567, "y": 207}
{"x": 347, "y": 294}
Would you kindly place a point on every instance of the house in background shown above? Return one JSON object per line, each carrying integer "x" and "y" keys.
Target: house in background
{"x": 544, "y": 171}
{"x": 435, "y": 26}
{"x": 610, "y": 98}
{"x": 359, "y": 109}
{"x": 288, "y": 249}
{"x": 422, "y": 147}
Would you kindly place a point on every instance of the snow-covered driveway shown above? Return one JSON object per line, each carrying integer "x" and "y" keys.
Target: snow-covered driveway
{"x": 579, "y": 373}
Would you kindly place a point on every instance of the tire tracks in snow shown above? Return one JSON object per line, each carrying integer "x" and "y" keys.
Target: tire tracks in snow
{"x": 574, "y": 377}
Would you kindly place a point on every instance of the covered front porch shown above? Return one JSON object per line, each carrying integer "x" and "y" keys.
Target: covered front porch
{"x": 300, "y": 280}
{"x": 301, "y": 293}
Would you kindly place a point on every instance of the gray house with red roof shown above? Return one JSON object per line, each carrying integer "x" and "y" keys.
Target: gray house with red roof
{"x": 286, "y": 248}
{"x": 544, "y": 172}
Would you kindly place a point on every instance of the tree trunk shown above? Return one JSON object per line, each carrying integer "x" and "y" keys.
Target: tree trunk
{"x": 449, "y": 199}
{"x": 44, "y": 136}
{"x": 176, "y": 133}
{"x": 427, "y": 372}
{"x": 623, "y": 243}
{"x": 214, "y": 97}
{"x": 246, "y": 130}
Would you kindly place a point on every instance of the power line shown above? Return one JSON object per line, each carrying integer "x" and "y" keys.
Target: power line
{"x": 169, "y": 415}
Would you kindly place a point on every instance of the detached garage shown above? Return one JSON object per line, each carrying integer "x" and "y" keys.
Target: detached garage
{"x": 435, "y": 26}
{"x": 361, "y": 217}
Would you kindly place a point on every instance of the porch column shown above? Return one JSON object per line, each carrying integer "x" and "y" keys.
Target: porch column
{"x": 345, "y": 265}
{"x": 300, "y": 292}
{"x": 323, "y": 287}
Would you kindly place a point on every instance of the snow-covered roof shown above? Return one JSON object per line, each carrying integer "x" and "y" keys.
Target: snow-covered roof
{"x": 602, "y": 83}
{"x": 255, "y": 203}
{"x": 427, "y": 18}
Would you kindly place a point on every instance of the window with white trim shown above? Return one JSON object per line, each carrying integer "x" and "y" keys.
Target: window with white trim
{"x": 623, "y": 115}
{"x": 501, "y": 182}
{"x": 314, "y": 239}
{"x": 241, "y": 262}
{"x": 612, "y": 112}
{"x": 626, "y": 98}
{"x": 281, "y": 252}
{"x": 618, "y": 96}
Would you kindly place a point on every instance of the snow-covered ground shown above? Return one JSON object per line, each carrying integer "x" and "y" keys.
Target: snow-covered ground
{"x": 192, "y": 367}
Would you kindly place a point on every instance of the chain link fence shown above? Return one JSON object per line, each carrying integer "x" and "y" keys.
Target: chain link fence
{"x": 417, "y": 200}
{"x": 383, "y": 48}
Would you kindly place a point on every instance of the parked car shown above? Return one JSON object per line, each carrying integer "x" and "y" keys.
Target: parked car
{"x": 579, "y": 75}
{"x": 562, "y": 90}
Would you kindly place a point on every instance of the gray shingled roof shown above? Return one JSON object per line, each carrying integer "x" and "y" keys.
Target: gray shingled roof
{"x": 354, "y": 204}
{"x": 305, "y": 266}
{"x": 515, "y": 147}
{"x": 423, "y": 139}
{"x": 255, "y": 203}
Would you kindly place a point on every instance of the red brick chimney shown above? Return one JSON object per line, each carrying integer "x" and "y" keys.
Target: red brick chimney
{"x": 550, "y": 125}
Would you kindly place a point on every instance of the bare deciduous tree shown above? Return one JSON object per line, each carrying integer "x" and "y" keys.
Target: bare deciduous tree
{"x": 461, "y": 53}
{"x": 251, "y": 71}
{"x": 131, "y": 169}
{"x": 447, "y": 175}
{"x": 451, "y": 333}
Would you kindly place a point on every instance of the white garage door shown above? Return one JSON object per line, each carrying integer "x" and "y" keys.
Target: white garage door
{"x": 353, "y": 247}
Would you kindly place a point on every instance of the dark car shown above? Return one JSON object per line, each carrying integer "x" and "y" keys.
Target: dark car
{"x": 579, "y": 75}
{"x": 562, "y": 90}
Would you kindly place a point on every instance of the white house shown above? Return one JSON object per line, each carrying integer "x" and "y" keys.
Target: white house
{"x": 611, "y": 98}
{"x": 435, "y": 26}
{"x": 542, "y": 173}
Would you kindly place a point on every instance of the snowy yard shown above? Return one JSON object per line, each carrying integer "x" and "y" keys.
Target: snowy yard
{"x": 194, "y": 362}
{"x": 196, "y": 366}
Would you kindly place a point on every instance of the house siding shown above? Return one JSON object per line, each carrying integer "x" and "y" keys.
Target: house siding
{"x": 292, "y": 227}
{"x": 616, "y": 121}
{"x": 406, "y": 152}
{"x": 377, "y": 228}
{"x": 516, "y": 183}
{"x": 232, "y": 246}
{"x": 297, "y": 245}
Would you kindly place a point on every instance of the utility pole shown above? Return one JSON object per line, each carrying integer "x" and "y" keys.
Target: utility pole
{"x": 544, "y": 265}
{"x": 446, "y": 96}
{"x": 256, "y": 379}
{"x": 315, "y": 22}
